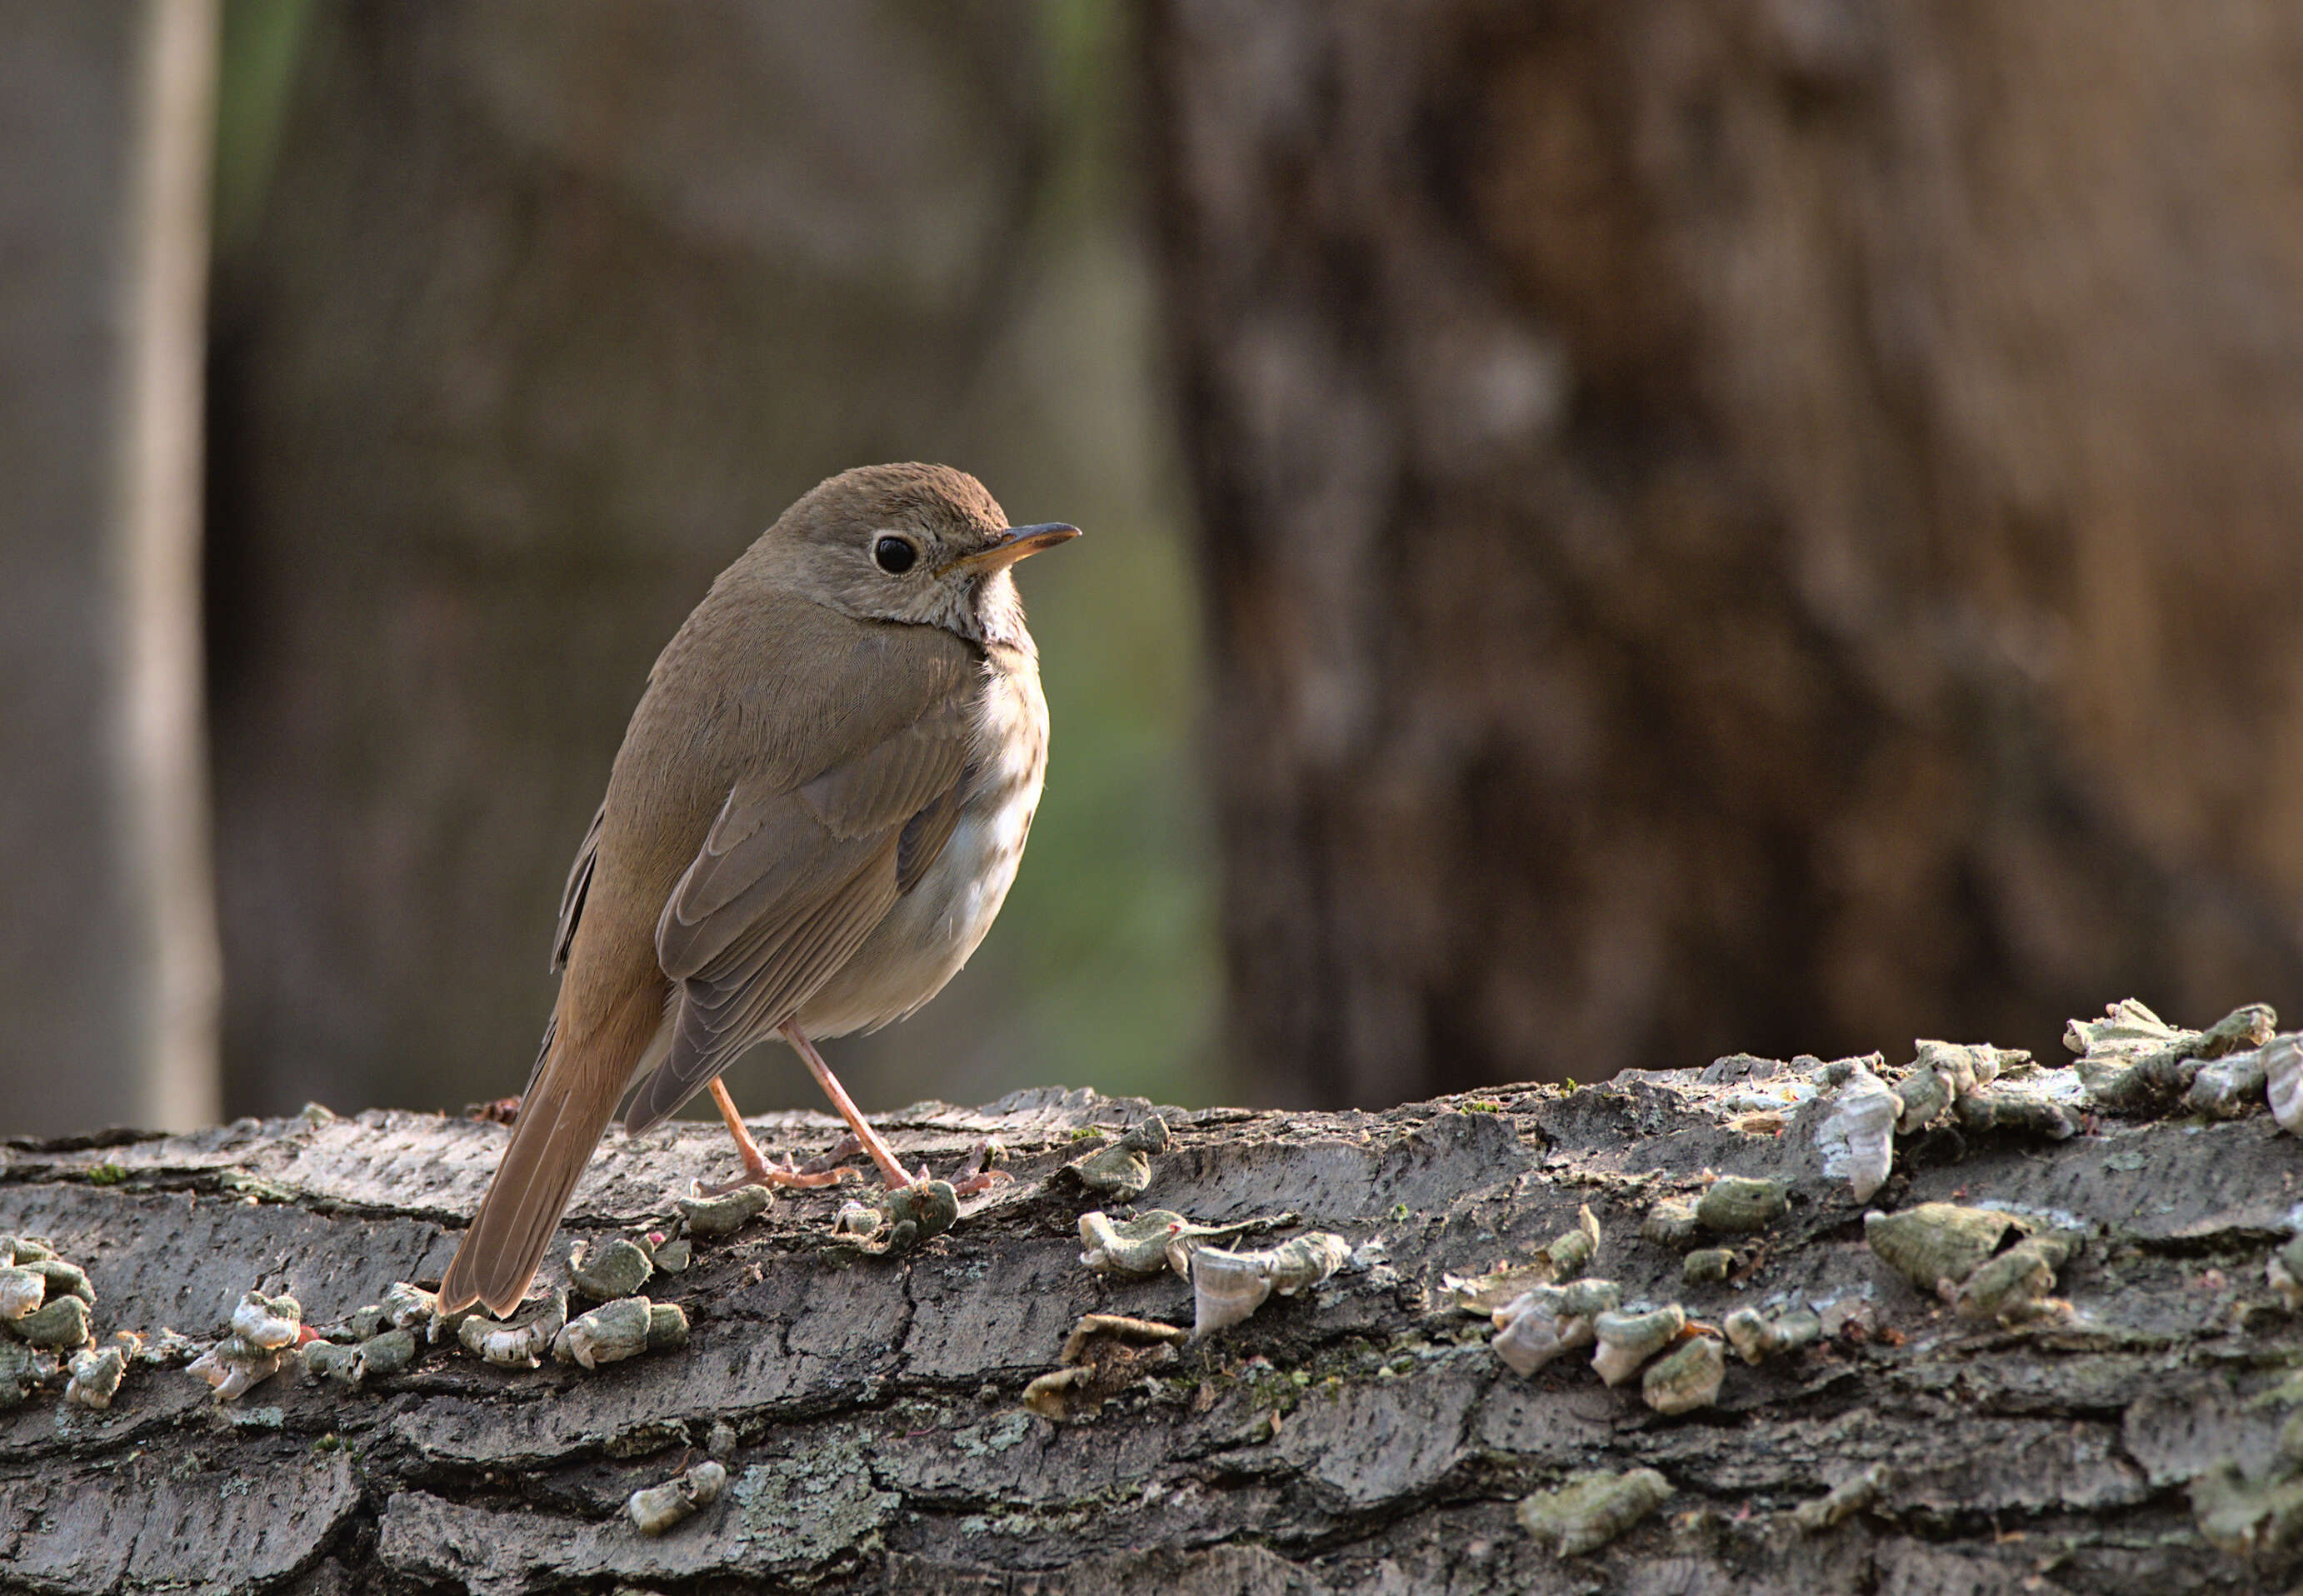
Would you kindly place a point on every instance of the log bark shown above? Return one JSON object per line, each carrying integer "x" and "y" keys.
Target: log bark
{"x": 1736, "y": 524}
{"x": 1360, "y": 1438}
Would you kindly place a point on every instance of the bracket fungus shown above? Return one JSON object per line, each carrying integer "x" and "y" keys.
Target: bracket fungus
{"x": 658, "y": 1508}
{"x": 1856, "y": 1133}
{"x": 1627, "y": 1340}
{"x": 1560, "y": 1258}
{"x": 615, "y": 1331}
{"x": 2282, "y": 1071}
{"x": 1670, "y": 1222}
{"x": 1104, "y": 1354}
{"x": 1687, "y": 1378}
{"x": 233, "y": 1367}
{"x": 1541, "y": 1323}
{"x": 96, "y": 1373}
{"x": 617, "y": 1268}
{"x": 898, "y": 1219}
{"x": 2130, "y": 1058}
{"x": 1841, "y": 1501}
{"x": 1155, "y": 1240}
{"x": 1937, "y": 1242}
{"x": 58, "y": 1326}
{"x": 1591, "y": 1510}
{"x": 1707, "y": 1265}
{"x": 1124, "y": 1169}
{"x": 725, "y": 1214}
{"x": 1757, "y": 1337}
{"x": 1227, "y": 1287}
{"x": 519, "y": 1343}
{"x": 268, "y": 1322}
{"x": 1737, "y": 1205}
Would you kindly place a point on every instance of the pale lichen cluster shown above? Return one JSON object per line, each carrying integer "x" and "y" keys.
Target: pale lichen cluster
{"x": 46, "y": 1336}
{"x": 1106, "y": 1352}
{"x": 1679, "y": 1360}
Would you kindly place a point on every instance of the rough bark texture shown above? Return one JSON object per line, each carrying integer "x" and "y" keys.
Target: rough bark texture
{"x": 1737, "y": 524}
{"x": 1361, "y": 1438}
{"x": 107, "y": 952}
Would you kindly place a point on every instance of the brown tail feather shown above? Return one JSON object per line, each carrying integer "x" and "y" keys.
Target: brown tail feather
{"x": 552, "y": 1141}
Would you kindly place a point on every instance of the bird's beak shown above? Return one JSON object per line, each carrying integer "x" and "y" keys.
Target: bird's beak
{"x": 1017, "y": 543}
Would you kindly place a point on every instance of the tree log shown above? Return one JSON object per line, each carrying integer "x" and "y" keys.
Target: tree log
{"x": 1359, "y": 1436}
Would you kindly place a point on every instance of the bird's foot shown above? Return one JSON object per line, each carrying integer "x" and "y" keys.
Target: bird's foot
{"x": 985, "y": 1156}
{"x": 759, "y": 1171}
{"x": 842, "y": 1150}
{"x": 846, "y": 1147}
{"x": 504, "y": 1111}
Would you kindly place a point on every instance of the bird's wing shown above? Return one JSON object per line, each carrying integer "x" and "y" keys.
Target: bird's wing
{"x": 790, "y": 881}
{"x": 572, "y": 895}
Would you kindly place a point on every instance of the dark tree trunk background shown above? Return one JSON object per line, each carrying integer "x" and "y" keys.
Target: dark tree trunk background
{"x": 1760, "y": 523}
{"x": 549, "y": 311}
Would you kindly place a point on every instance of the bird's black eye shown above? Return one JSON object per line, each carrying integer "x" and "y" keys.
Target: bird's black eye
{"x": 894, "y": 556}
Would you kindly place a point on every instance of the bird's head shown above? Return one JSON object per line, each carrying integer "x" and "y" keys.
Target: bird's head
{"x": 924, "y": 545}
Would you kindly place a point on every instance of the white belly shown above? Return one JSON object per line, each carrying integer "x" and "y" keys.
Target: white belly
{"x": 929, "y": 933}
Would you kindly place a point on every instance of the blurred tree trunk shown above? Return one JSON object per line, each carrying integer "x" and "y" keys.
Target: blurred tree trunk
{"x": 107, "y": 955}
{"x": 1756, "y": 525}
{"x": 547, "y": 311}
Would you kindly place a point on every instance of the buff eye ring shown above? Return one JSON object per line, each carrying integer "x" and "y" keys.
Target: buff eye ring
{"x": 894, "y": 556}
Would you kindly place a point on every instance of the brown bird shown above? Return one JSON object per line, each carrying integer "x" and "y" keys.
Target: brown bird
{"x": 816, "y": 813}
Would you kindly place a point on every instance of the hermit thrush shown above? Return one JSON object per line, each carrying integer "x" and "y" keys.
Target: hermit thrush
{"x": 816, "y": 813}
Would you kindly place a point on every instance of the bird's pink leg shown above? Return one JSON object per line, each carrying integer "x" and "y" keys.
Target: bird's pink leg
{"x": 757, "y": 1169}
{"x": 882, "y": 1154}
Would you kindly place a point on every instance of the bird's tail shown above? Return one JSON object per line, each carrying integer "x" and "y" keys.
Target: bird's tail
{"x": 568, "y": 1104}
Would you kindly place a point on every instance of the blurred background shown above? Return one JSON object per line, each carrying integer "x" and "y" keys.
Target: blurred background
{"x": 1619, "y": 531}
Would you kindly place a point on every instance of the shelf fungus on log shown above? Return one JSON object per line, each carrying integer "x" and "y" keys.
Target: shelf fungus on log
{"x": 658, "y": 1508}
{"x": 1670, "y": 1222}
{"x": 1591, "y": 1510}
{"x": 1627, "y": 1340}
{"x": 58, "y": 1326}
{"x": 616, "y": 1268}
{"x": 898, "y": 1219}
{"x": 96, "y": 1373}
{"x": 1561, "y": 1257}
{"x": 726, "y": 1215}
{"x": 1124, "y": 1169}
{"x": 1227, "y": 1287}
{"x": 21, "y": 1290}
{"x": 1938, "y": 1242}
{"x": 1757, "y": 1336}
{"x": 1687, "y": 1378}
{"x": 2282, "y": 1071}
{"x": 1986, "y": 1263}
{"x": 233, "y": 1367}
{"x": 619, "y": 1329}
{"x": 1105, "y": 1354}
{"x": 1855, "y": 1131}
{"x": 1541, "y": 1323}
{"x": 2132, "y": 1059}
{"x": 1707, "y": 1265}
{"x": 1155, "y": 1240}
{"x": 1737, "y": 1205}
{"x": 2284, "y": 1273}
{"x": 1945, "y": 1071}
{"x": 519, "y": 1343}
{"x": 1842, "y": 1501}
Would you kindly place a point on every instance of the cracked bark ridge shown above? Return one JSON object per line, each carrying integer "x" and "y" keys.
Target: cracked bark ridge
{"x": 1360, "y": 1438}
